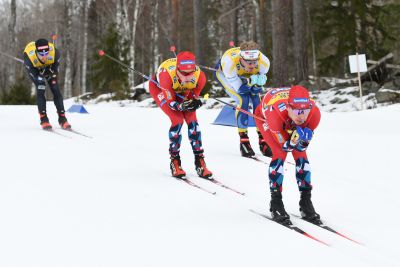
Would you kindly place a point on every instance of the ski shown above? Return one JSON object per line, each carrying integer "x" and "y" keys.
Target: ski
{"x": 291, "y": 227}
{"x": 191, "y": 183}
{"x": 267, "y": 163}
{"x": 323, "y": 226}
{"x": 258, "y": 160}
{"x": 214, "y": 181}
{"x": 57, "y": 133}
{"x": 76, "y": 132}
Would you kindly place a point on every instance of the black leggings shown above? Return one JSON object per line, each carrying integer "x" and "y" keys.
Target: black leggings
{"x": 41, "y": 98}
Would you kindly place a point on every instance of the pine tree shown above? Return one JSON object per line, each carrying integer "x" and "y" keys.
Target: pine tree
{"x": 20, "y": 94}
{"x": 346, "y": 27}
{"x": 108, "y": 76}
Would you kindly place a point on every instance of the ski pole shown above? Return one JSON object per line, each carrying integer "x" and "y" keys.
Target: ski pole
{"x": 9, "y": 56}
{"x": 102, "y": 53}
{"x": 206, "y": 96}
{"x": 207, "y": 68}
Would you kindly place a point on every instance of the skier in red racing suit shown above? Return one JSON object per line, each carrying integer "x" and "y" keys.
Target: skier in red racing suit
{"x": 290, "y": 120}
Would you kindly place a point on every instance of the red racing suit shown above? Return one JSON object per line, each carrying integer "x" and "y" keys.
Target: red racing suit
{"x": 168, "y": 93}
{"x": 277, "y": 129}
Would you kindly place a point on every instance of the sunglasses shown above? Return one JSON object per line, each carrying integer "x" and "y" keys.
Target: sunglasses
{"x": 43, "y": 53}
{"x": 251, "y": 62}
{"x": 301, "y": 111}
{"x": 186, "y": 73}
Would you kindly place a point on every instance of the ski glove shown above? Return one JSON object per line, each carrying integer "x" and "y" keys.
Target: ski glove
{"x": 257, "y": 80}
{"x": 191, "y": 104}
{"x": 187, "y": 105}
{"x": 305, "y": 136}
{"x": 299, "y": 139}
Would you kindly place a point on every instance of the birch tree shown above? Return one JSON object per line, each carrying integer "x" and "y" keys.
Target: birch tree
{"x": 12, "y": 30}
{"x": 135, "y": 16}
{"x": 86, "y": 6}
{"x": 67, "y": 49}
{"x": 155, "y": 37}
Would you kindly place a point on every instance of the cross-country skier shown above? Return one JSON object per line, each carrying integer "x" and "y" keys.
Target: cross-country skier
{"x": 41, "y": 60}
{"x": 180, "y": 83}
{"x": 291, "y": 118}
{"x": 242, "y": 73}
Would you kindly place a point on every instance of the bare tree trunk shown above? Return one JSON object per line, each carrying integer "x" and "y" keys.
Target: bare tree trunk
{"x": 312, "y": 36}
{"x": 67, "y": 49}
{"x": 234, "y": 36}
{"x": 256, "y": 22}
{"x": 123, "y": 23}
{"x": 197, "y": 15}
{"x": 262, "y": 14}
{"x": 300, "y": 41}
{"x": 133, "y": 40}
{"x": 86, "y": 5}
{"x": 280, "y": 29}
{"x": 12, "y": 30}
{"x": 175, "y": 23}
{"x": 155, "y": 38}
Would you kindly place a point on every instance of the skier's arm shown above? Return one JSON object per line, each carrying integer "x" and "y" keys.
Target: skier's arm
{"x": 55, "y": 65}
{"x": 165, "y": 82}
{"x": 230, "y": 73}
{"x": 201, "y": 82}
{"x": 257, "y": 81}
{"x": 315, "y": 118}
{"x": 302, "y": 136}
{"x": 34, "y": 73}
{"x": 264, "y": 65}
{"x": 275, "y": 124}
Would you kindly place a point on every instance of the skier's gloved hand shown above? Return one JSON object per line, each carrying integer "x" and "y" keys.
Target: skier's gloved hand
{"x": 294, "y": 140}
{"x": 261, "y": 79}
{"x": 191, "y": 104}
{"x": 253, "y": 80}
{"x": 175, "y": 105}
{"x": 305, "y": 136}
{"x": 257, "y": 80}
{"x": 53, "y": 70}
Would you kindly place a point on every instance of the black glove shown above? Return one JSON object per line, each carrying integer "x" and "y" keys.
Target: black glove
{"x": 49, "y": 72}
{"x": 191, "y": 104}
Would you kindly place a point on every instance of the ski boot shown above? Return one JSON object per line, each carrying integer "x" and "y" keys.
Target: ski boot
{"x": 264, "y": 147}
{"x": 245, "y": 147}
{"x": 44, "y": 121}
{"x": 62, "y": 120}
{"x": 176, "y": 168}
{"x": 201, "y": 167}
{"x": 277, "y": 209}
{"x": 307, "y": 209}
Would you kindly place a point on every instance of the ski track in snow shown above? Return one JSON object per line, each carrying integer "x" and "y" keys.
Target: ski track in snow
{"x": 110, "y": 200}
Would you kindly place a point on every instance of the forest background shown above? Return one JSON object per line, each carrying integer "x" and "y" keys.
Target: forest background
{"x": 304, "y": 39}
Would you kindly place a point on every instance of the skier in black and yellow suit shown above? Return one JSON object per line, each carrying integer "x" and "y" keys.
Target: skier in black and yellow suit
{"x": 41, "y": 60}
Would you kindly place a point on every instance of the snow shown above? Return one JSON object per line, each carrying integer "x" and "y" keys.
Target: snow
{"x": 110, "y": 200}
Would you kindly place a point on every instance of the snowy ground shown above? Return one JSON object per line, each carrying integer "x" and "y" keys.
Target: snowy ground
{"x": 110, "y": 200}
